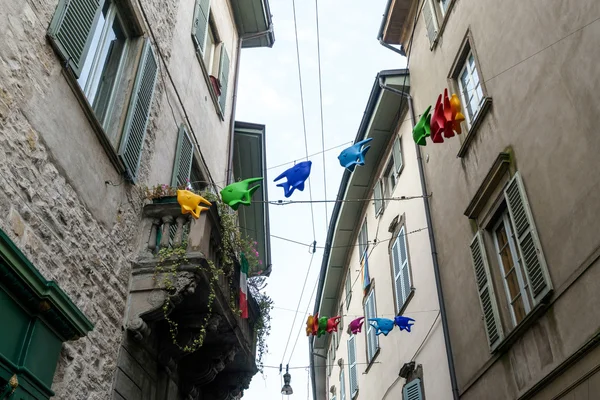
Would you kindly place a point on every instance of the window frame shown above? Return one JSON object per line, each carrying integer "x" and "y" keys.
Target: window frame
{"x": 468, "y": 69}
{"x": 348, "y": 288}
{"x": 370, "y": 332}
{"x": 400, "y": 306}
{"x": 363, "y": 246}
{"x": 378, "y": 198}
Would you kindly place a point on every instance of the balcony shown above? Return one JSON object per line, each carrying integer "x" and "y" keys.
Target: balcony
{"x": 183, "y": 303}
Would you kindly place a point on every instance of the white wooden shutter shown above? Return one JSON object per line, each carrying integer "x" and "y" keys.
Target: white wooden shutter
{"x": 223, "y": 78}
{"x": 352, "y": 366}
{"x": 401, "y": 265}
{"x": 348, "y": 289}
{"x": 430, "y": 21}
{"x": 184, "y": 155}
{"x": 372, "y": 339}
{"x": 412, "y": 390}
{"x": 72, "y": 27}
{"x": 378, "y": 196}
{"x": 528, "y": 241}
{"x": 342, "y": 385}
{"x": 329, "y": 362}
{"x": 138, "y": 113}
{"x": 200, "y": 26}
{"x": 397, "y": 154}
{"x": 485, "y": 289}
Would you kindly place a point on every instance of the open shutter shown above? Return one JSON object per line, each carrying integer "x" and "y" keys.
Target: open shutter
{"x": 342, "y": 385}
{"x": 412, "y": 390}
{"x": 223, "y": 78}
{"x": 329, "y": 362}
{"x": 527, "y": 239}
{"x": 72, "y": 27}
{"x": 138, "y": 113}
{"x": 430, "y": 21}
{"x": 200, "y": 25}
{"x": 402, "y": 284}
{"x": 378, "y": 196}
{"x": 397, "y": 274}
{"x": 352, "y": 365}
{"x": 372, "y": 340}
{"x": 485, "y": 289}
{"x": 397, "y": 154}
{"x": 183, "y": 158}
{"x": 348, "y": 289}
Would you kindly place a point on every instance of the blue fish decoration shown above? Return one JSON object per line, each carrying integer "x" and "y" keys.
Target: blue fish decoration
{"x": 354, "y": 155}
{"x": 404, "y": 323}
{"x": 295, "y": 177}
{"x": 382, "y": 325}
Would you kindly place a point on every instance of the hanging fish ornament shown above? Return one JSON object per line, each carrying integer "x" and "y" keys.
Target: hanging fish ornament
{"x": 322, "y": 326}
{"x": 190, "y": 203}
{"x": 404, "y": 323}
{"x": 354, "y": 155}
{"x": 309, "y": 325}
{"x": 437, "y": 122}
{"x": 382, "y": 325}
{"x": 295, "y": 177}
{"x": 423, "y": 128}
{"x": 457, "y": 115}
{"x": 332, "y": 324}
{"x": 238, "y": 193}
{"x": 356, "y": 325}
{"x": 449, "y": 122}
{"x": 315, "y": 329}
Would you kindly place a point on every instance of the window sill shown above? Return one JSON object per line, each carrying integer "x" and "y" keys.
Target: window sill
{"x": 209, "y": 84}
{"x": 523, "y": 327}
{"x": 96, "y": 125}
{"x": 485, "y": 107}
{"x": 354, "y": 395}
{"x": 372, "y": 360}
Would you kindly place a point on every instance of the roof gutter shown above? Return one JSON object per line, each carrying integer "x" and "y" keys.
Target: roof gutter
{"x": 382, "y": 28}
{"x": 436, "y": 266}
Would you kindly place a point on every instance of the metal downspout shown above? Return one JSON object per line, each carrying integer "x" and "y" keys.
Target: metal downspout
{"x": 434, "y": 256}
{"x": 234, "y": 100}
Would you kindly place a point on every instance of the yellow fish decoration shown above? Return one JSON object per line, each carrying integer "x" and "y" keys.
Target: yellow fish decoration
{"x": 190, "y": 203}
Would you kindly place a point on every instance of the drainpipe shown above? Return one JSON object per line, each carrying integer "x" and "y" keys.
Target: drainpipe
{"x": 234, "y": 101}
{"x": 434, "y": 256}
{"x": 382, "y": 27}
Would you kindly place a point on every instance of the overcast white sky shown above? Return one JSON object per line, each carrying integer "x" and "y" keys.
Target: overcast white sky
{"x": 269, "y": 94}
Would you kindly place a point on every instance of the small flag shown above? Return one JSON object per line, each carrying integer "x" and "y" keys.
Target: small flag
{"x": 366, "y": 280}
{"x": 244, "y": 286}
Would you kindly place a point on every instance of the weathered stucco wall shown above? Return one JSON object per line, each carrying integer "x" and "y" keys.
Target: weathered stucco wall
{"x": 539, "y": 62}
{"x": 54, "y": 202}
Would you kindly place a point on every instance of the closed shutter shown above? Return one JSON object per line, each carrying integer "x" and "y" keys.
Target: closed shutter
{"x": 134, "y": 131}
{"x": 378, "y": 196}
{"x": 223, "y": 78}
{"x": 72, "y": 27}
{"x": 183, "y": 158}
{"x": 352, "y": 365}
{"x": 402, "y": 284}
{"x": 372, "y": 340}
{"x": 527, "y": 239}
{"x": 200, "y": 25}
{"x": 397, "y": 154}
{"x": 342, "y": 385}
{"x": 485, "y": 289}
{"x": 430, "y": 21}
{"x": 412, "y": 390}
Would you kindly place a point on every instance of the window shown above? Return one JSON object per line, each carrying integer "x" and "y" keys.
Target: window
{"x": 390, "y": 179}
{"x": 511, "y": 271}
{"x": 94, "y": 41}
{"x": 331, "y": 354}
{"x": 397, "y": 155}
{"x": 431, "y": 23}
{"x": 378, "y": 197}
{"x": 342, "y": 385}
{"x": 520, "y": 260}
{"x": 352, "y": 366}
{"x": 401, "y": 270}
{"x": 470, "y": 88}
{"x": 210, "y": 49}
{"x": 412, "y": 390}
{"x": 372, "y": 339}
{"x": 340, "y": 326}
{"x": 348, "y": 289}
{"x": 363, "y": 240}
{"x": 444, "y": 4}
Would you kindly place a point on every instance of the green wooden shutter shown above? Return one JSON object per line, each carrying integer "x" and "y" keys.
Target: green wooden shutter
{"x": 528, "y": 241}
{"x": 200, "y": 26}
{"x": 378, "y": 196}
{"x": 183, "y": 158}
{"x": 430, "y": 21}
{"x": 134, "y": 131}
{"x": 223, "y": 78}
{"x": 397, "y": 154}
{"x": 72, "y": 27}
{"x": 485, "y": 289}
{"x": 412, "y": 390}
{"x": 352, "y": 365}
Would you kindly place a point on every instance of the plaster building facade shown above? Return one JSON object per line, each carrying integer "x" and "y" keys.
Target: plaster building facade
{"x": 515, "y": 197}
{"x": 99, "y": 98}
{"x": 389, "y": 238}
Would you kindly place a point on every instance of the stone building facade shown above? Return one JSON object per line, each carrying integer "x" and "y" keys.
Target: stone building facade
{"x": 98, "y": 99}
{"x": 514, "y": 197}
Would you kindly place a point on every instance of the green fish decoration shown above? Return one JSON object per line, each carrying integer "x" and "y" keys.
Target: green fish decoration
{"x": 238, "y": 193}
{"x": 423, "y": 128}
{"x": 322, "y": 326}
